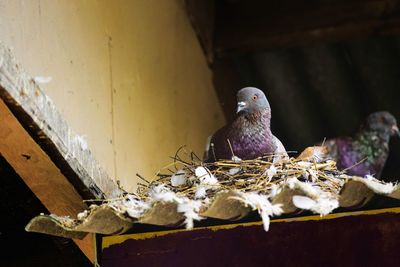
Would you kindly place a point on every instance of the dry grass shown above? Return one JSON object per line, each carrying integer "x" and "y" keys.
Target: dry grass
{"x": 258, "y": 175}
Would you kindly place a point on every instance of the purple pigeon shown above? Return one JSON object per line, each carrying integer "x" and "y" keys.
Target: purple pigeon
{"x": 367, "y": 151}
{"x": 249, "y": 136}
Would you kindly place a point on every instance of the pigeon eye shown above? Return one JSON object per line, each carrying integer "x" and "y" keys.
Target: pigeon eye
{"x": 254, "y": 97}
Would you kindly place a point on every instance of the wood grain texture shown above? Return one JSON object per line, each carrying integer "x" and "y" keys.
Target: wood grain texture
{"x": 45, "y": 124}
{"x": 39, "y": 172}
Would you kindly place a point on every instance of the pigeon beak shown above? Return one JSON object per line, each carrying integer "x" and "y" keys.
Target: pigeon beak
{"x": 395, "y": 130}
{"x": 240, "y": 106}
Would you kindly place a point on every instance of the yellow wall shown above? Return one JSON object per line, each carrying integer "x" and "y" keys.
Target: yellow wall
{"x": 129, "y": 75}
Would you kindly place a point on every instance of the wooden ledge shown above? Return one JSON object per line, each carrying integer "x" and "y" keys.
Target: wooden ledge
{"x": 37, "y": 142}
{"x": 41, "y": 119}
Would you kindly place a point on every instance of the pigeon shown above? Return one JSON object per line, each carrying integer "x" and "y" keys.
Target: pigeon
{"x": 366, "y": 152}
{"x": 249, "y": 136}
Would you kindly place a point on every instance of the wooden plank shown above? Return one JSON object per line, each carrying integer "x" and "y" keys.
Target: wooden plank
{"x": 37, "y": 142}
{"x": 38, "y": 171}
{"x": 259, "y": 25}
{"x": 45, "y": 124}
{"x": 107, "y": 241}
{"x": 365, "y": 240}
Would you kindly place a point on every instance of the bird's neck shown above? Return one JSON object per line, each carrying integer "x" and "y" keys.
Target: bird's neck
{"x": 373, "y": 137}
{"x": 260, "y": 117}
{"x": 374, "y": 144}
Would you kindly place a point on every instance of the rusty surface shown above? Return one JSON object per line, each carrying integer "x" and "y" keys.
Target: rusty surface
{"x": 369, "y": 240}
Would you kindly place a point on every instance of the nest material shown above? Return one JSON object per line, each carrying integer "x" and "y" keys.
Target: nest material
{"x": 189, "y": 190}
{"x": 256, "y": 183}
{"x": 259, "y": 175}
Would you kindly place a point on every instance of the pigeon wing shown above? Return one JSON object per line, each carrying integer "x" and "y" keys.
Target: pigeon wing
{"x": 280, "y": 151}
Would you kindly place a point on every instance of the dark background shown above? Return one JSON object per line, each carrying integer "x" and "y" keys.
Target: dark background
{"x": 18, "y": 205}
{"x": 326, "y": 90}
{"x": 324, "y": 65}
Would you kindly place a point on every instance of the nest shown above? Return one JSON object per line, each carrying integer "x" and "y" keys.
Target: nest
{"x": 194, "y": 184}
{"x": 259, "y": 175}
{"x": 190, "y": 190}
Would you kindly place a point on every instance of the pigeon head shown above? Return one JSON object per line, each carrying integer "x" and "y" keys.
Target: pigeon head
{"x": 382, "y": 122}
{"x": 251, "y": 99}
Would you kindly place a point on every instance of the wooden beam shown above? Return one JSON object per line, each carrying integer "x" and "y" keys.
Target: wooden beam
{"x": 41, "y": 175}
{"x": 364, "y": 240}
{"x": 44, "y": 151}
{"x": 41, "y": 119}
{"x": 260, "y": 25}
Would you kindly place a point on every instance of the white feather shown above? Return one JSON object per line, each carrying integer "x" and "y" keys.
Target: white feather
{"x": 134, "y": 207}
{"x": 131, "y": 205}
{"x": 178, "y": 178}
{"x": 261, "y": 203}
{"x": 275, "y": 190}
{"x": 236, "y": 159}
{"x": 161, "y": 193}
{"x": 205, "y": 176}
{"x": 82, "y": 215}
{"x": 369, "y": 177}
{"x": 42, "y": 79}
{"x": 322, "y": 205}
{"x": 379, "y": 187}
{"x": 201, "y": 192}
{"x": 325, "y": 205}
{"x": 234, "y": 171}
{"x": 190, "y": 209}
{"x": 271, "y": 171}
{"x": 303, "y": 202}
{"x": 292, "y": 182}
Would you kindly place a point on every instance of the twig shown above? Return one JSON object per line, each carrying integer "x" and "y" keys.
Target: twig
{"x": 141, "y": 177}
{"x": 230, "y": 147}
{"x": 352, "y": 166}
